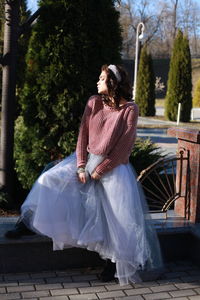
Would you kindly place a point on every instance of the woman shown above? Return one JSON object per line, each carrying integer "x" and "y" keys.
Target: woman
{"x": 91, "y": 199}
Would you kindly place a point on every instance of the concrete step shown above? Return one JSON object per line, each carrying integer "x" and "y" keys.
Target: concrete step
{"x": 34, "y": 253}
{"x": 179, "y": 240}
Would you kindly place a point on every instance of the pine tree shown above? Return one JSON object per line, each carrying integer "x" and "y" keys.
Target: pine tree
{"x": 179, "y": 81}
{"x": 68, "y": 45}
{"x": 196, "y": 98}
{"x": 145, "y": 91}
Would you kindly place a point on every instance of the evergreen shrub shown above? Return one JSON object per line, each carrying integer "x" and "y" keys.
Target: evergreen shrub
{"x": 179, "y": 87}
{"x": 145, "y": 91}
{"x": 69, "y": 43}
{"x": 144, "y": 153}
{"x": 196, "y": 98}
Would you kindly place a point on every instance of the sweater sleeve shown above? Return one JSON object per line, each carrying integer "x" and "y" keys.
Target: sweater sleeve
{"x": 82, "y": 143}
{"x": 122, "y": 149}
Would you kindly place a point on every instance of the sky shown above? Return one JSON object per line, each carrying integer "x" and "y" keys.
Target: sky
{"x": 32, "y": 5}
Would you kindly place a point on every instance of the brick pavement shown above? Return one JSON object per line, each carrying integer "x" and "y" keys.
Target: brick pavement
{"x": 180, "y": 281}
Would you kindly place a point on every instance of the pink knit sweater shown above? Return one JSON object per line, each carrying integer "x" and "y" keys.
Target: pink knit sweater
{"x": 107, "y": 131}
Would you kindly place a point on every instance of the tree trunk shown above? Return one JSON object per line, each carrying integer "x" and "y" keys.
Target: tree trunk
{"x": 11, "y": 32}
{"x": 175, "y": 19}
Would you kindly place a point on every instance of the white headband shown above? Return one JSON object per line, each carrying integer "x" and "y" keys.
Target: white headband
{"x": 114, "y": 69}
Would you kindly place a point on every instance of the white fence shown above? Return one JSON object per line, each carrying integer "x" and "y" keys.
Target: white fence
{"x": 195, "y": 113}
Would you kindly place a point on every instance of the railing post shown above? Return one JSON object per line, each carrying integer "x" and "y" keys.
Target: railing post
{"x": 189, "y": 142}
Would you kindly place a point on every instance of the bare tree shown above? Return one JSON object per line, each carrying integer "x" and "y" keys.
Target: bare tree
{"x": 189, "y": 22}
{"x": 131, "y": 14}
{"x": 174, "y": 17}
{"x": 161, "y": 19}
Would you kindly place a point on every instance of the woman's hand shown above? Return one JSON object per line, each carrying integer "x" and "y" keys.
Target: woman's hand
{"x": 95, "y": 176}
{"x": 82, "y": 177}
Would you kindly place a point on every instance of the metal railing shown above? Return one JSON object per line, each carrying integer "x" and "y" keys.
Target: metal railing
{"x": 165, "y": 181}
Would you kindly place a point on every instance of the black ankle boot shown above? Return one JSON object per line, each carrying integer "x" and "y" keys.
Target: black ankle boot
{"x": 108, "y": 273}
{"x": 19, "y": 230}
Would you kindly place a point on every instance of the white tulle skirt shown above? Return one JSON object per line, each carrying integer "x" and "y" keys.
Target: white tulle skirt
{"x": 107, "y": 216}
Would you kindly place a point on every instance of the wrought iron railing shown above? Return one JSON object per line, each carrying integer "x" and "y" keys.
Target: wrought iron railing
{"x": 165, "y": 181}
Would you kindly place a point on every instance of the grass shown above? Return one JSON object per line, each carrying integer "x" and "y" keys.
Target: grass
{"x": 160, "y": 103}
{"x": 192, "y": 124}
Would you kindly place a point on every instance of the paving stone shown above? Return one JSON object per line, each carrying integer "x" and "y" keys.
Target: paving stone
{"x": 96, "y": 271}
{"x": 111, "y": 294}
{"x": 84, "y": 277}
{"x": 19, "y": 289}
{"x": 32, "y": 281}
{"x": 43, "y": 275}
{"x": 145, "y": 284}
{"x": 69, "y": 285}
{"x": 16, "y": 276}
{"x": 12, "y": 296}
{"x": 58, "y": 280}
{"x": 157, "y": 296}
{"x": 8, "y": 283}
{"x": 42, "y": 287}
{"x": 181, "y": 298}
{"x": 99, "y": 282}
{"x": 35, "y": 294}
{"x": 139, "y": 291}
{"x": 182, "y": 293}
{"x": 138, "y": 297}
{"x": 163, "y": 288}
{"x": 69, "y": 272}
{"x": 169, "y": 281}
{"x": 92, "y": 289}
{"x": 182, "y": 283}
{"x": 2, "y": 290}
{"x": 54, "y": 298}
{"x": 84, "y": 271}
{"x": 197, "y": 290}
{"x": 187, "y": 285}
{"x": 64, "y": 292}
{"x": 83, "y": 297}
{"x": 31, "y": 298}
{"x": 114, "y": 287}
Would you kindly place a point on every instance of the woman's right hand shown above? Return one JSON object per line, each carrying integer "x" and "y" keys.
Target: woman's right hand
{"x": 82, "y": 177}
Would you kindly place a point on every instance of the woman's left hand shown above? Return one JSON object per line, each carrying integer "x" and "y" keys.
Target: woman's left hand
{"x": 95, "y": 176}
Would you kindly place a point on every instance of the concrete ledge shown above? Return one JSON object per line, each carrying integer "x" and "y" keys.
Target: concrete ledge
{"x": 35, "y": 253}
{"x": 179, "y": 240}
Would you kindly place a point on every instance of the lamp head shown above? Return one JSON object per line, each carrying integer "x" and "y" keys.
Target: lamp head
{"x": 141, "y": 36}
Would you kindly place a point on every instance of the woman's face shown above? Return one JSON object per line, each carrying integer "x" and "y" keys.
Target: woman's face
{"x": 101, "y": 84}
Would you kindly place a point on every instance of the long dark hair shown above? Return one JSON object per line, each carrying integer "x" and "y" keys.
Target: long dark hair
{"x": 117, "y": 89}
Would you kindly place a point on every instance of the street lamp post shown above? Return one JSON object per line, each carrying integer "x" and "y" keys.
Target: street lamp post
{"x": 139, "y": 36}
